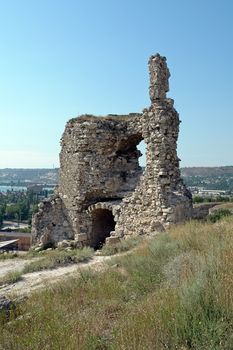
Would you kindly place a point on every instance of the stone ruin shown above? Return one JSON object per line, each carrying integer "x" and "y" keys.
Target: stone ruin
{"x": 103, "y": 194}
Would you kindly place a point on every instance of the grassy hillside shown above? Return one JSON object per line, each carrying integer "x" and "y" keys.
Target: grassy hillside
{"x": 172, "y": 292}
{"x": 207, "y": 171}
{"x": 218, "y": 178}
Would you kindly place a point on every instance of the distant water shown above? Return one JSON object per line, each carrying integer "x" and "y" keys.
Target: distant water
{"x": 12, "y": 188}
{"x": 19, "y": 188}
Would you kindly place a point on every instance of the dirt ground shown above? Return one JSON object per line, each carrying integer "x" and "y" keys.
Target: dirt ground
{"x": 41, "y": 279}
{"x": 11, "y": 265}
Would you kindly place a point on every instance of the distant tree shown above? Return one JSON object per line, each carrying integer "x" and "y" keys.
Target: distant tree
{"x": 222, "y": 199}
{"x": 1, "y": 218}
{"x": 198, "y": 199}
{"x": 11, "y": 212}
{"x": 219, "y": 214}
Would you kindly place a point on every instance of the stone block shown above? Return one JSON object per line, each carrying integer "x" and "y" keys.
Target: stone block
{"x": 112, "y": 240}
{"x": 81, "y": 237}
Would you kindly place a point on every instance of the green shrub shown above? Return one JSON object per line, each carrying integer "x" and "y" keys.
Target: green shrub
{"x": 25, "y": 230}
{"x": 198, "y": 199}
{"x": 219, "y": 214}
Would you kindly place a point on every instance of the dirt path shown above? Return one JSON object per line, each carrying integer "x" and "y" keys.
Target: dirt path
{"x": 11, "y": 265}
{"x": 41, "y": 279}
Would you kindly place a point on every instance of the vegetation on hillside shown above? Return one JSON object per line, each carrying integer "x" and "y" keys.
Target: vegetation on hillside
{"x": 210, "y": 178}
{"x": 223, "y": 183}
{"x": 207, "y": 171}
{"x": 122, "y": 246}
{"x": 216, "y": 199}
{"x": 18, "y": 206}
{"x": 57, "y": 258}
{"x": 11, "y": 176}
{"x": 10, "y": 278}
{"x": 218, "y": 214}
{"x": 219, "y": 178}
{"x": 172, "y": 292}
{"x": 8, "y": 255}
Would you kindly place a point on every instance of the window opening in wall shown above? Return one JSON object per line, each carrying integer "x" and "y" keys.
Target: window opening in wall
{"x": 102, "y": 224}
{"x": 133, "y": 150}
{"x": 142, "y": 148}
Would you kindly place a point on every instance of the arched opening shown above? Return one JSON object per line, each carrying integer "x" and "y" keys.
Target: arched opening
{"x": 102, "y": 224}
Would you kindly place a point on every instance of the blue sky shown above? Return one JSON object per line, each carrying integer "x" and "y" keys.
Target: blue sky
{"x": 62, "y": 58}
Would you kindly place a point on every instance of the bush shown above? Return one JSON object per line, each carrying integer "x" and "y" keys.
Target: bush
{"x": 219, "y": 214}
{"x": 198, "y": 199}
{"x": 25, "y": 230}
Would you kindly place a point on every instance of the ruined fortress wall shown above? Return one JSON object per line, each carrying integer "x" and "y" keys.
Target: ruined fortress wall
{"x": 51, "y": 224}
{"x": 100, "y": 175}
{"x": 160, "y": 198}
{"x": 99, "y": 163}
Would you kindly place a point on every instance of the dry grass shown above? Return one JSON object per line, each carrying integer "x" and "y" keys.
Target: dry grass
{"x": 228, "y": 205}
{"x": 11, "y": 277}
{"x": 8, "y": 255}
{"x": 172, "y": 292}
{"x": 122, "y": 246}
{"x": 57, "y": 258}
{"x": 109, "y": 117}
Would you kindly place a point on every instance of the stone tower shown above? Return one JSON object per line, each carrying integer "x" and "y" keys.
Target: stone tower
{"x": 103, "y": 194}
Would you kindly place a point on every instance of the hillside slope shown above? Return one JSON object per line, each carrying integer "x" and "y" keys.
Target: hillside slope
{"x": 173, "y": 292}
{"x": 207, "y": 171}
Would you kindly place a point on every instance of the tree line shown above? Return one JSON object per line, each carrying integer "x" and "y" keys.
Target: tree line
{"x": 18, "y": 206}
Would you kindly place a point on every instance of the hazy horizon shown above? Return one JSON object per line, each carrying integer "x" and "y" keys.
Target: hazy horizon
{"x": 182, "y": 167}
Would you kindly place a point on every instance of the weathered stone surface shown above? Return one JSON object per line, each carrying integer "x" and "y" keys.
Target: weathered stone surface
{"x": 159, "y": 75}
{"x": 102, "y": 186}
{"x": 112, "y": 240}
{"x": 6, "y": 305}
{"x": 63, "y": 244}
{"x": 201, "y": 211}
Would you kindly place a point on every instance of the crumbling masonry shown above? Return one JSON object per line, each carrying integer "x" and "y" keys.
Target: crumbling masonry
{"x": 103, "y": 193}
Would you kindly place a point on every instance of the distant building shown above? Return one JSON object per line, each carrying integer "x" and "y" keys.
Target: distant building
{"x": 23, "y": 240}
{"x": 200, "y": 191}
{"x": 9, "y": 245}
{"x": 212, "y": 193}
{"x": 35, "y": 188}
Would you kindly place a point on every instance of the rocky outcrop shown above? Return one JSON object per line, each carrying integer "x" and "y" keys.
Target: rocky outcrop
{"x": 103, "y": 192}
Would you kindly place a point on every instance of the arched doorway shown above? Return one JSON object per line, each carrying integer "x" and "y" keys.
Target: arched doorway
{"x": 102, "y": 224}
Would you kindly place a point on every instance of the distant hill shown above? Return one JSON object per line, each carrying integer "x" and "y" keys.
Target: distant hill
{"x": 219, "y": 178}
{"x": 25, "y": 176}
{"x": 207, "y": 171}
{"x": 210, "y": 178}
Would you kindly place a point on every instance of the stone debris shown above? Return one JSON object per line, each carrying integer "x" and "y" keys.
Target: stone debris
{"x": 6, "y": 305}
{"x": 103, "y": 193}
